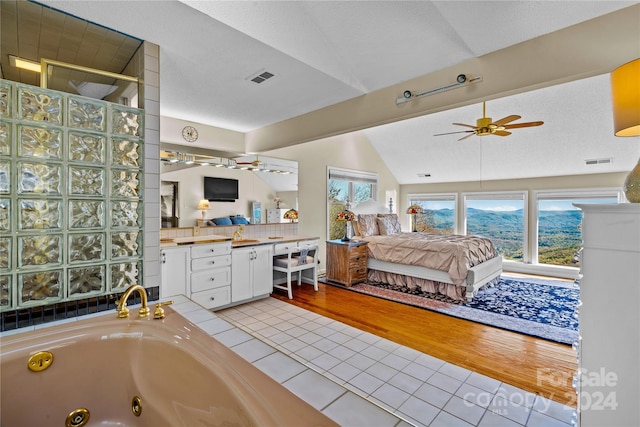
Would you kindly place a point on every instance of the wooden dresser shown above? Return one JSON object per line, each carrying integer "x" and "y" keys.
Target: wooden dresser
{"x": 346, "y": 261}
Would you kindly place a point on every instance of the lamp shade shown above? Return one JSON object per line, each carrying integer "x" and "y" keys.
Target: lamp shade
{"x": 625, "y": 99}
{"x": 291, "y": 214}
{"x": 345, "y": 216}
{"x": 204, "y": 204}
{"x": 414, "y": 209}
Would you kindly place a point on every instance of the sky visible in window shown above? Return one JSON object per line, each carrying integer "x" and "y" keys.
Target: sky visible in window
{"x": 495, "y": 205}
{"x": 513, "y": 205}
{"x": 567, "y": 205}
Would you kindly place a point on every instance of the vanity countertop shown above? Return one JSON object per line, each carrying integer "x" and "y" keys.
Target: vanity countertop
{"x": 270, "y": 240}
{"x": 192, "y": 240}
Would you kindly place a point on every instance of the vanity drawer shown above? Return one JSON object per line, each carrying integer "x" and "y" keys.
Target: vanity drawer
{"x": 213, "y": 298}
{"x": 210, "y": 249}
{"x": 283, "y": 248}
{"x": 210, "y": 279}
{"x": 210, "y": 262}
{"x": 308, "y": 243}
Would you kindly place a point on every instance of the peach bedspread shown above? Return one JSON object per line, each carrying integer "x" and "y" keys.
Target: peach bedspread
{"x": 453, "y": 254}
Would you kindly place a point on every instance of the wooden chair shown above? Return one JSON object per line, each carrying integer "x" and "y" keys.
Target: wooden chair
{"x": 295, "y": 259}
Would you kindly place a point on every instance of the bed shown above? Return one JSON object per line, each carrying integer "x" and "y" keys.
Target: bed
{"x": 455, "y": 266}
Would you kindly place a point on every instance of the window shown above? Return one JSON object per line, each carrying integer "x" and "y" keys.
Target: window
{"x": 347, "y": 187}
{"x": 559, "y": 235}
{"x": 500, "y": 217}
{"x": 438, "y": 212}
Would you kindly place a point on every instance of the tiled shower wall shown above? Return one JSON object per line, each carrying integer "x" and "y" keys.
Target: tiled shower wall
{"x": 146, "y": 65}
{"x": 93, "y": 258}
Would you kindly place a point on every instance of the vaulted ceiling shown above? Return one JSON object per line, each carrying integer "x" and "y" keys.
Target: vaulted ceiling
{"x": 325, "y": 54}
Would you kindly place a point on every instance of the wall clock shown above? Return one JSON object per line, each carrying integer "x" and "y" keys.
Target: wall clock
{"x": 189, "y": 133}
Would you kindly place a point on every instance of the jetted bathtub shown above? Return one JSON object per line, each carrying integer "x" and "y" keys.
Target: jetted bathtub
{"x": 104, "y": 370}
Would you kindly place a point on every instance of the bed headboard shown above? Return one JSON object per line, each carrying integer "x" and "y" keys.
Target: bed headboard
{"x": 370, "y": 206}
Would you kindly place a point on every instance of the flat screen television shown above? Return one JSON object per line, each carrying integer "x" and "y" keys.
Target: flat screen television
{"x": 220, "y": 189}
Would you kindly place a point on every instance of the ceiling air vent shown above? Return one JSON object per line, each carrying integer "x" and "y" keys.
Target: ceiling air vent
{"x": 598, "y": 161}
{"x": 260, "y": 77}
{"x": 424, "y": 175}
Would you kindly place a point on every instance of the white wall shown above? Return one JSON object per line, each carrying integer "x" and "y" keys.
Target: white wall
{"x": 349, "y": 151}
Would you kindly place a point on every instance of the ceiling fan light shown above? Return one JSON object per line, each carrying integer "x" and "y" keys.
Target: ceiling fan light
{"x": 625, "y": 94}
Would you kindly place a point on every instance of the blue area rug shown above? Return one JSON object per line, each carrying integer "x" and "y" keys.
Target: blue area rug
{"x": 537, "y": 307}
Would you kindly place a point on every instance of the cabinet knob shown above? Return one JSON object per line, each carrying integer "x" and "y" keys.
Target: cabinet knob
{"x": 212, "y": 298}
{"x": 213, "y": 250}
{"x": 213, "y": 262}
{"x": 213, "y": 279}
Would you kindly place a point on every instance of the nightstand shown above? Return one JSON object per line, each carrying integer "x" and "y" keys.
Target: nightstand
{"x": 346, "y": 261}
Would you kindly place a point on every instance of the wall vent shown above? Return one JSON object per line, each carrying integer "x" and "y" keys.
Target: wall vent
{"x": 260, "y": 77}
{"x": 424, "y": 175}
{"x": 598, "y": 161}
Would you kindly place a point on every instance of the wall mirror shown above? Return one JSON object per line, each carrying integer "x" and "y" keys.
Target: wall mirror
{"x": 268, "y": 182}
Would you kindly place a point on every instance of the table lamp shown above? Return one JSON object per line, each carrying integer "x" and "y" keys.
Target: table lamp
{"x": 346, "y": 216}
{"x": 203, "y": 206}
{"x": 414, "y": 210}
{"x": 291, "y": 214}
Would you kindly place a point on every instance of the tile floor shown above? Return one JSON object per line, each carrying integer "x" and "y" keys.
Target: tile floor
{"x": 338, "y": 365}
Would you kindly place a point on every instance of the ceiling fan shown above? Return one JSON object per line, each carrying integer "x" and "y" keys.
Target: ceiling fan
{"x": 257, "y": 162}
{"x": 485, "y": 126}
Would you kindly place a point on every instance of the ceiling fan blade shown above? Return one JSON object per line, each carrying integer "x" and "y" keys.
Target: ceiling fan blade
{"x": 501, "y": 133}
{"x": 507, "y": 119}
{"x": 467, "y": 136}
{"x": 451, "y": 133}
{"x": 523, "y": 125}
{"x": 462, "y": 124}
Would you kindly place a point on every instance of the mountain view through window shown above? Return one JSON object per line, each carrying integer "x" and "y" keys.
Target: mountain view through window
{"x": 559, "y": 235}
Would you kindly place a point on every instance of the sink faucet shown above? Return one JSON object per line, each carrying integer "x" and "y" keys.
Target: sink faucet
{"x": 123, "y": 311}
{"x": 237, "y": 235}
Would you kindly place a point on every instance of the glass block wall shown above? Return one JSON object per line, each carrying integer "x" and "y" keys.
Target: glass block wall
{"x": 71, "y": 211}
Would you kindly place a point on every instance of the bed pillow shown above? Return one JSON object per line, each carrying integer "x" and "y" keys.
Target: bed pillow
{"x": 368, "y": 225}
{"x": 222, "y": 221}
{"x": 388, "y": 224}
{"x": 356, "y": 230}
{"x": 239, "y": 220}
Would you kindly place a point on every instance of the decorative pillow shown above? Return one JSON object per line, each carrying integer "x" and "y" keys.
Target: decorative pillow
{"x": 356, "y": 229}
{"x": 368, "y": 225}
{"x": 239, "y": 220}
{"x": 222, "y": 221}
{"x": 388, "y": 224}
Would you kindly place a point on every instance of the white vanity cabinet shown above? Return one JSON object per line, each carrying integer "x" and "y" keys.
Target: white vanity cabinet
{"x": 609, "y": 352}
{"x": 175, "y": 271}
{"x": 210, "y": 274}
{"x": 252, "y": 272}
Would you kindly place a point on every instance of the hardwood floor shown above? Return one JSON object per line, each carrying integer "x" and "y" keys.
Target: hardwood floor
{"x": 529, "y": 363}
